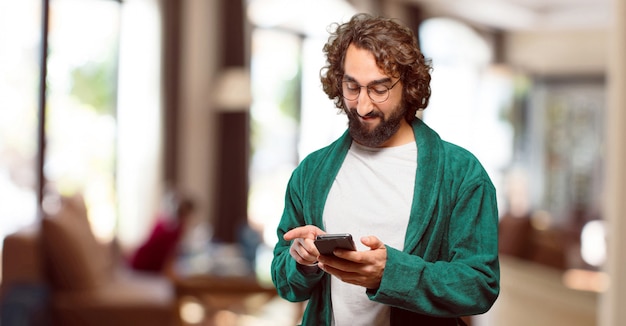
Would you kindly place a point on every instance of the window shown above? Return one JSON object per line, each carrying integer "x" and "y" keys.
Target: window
{"x": 102, "y": 138}
{"x": 291, "y": 115}
{"x": 470, "y": 95}
{"x": 80, "y": 153}
{"x": 20, "y": 29}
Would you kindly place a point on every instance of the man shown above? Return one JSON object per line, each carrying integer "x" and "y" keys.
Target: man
{"x": 422, "y": 211}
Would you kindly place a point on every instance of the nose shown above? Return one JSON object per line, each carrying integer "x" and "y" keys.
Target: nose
{"x": 364, "y": 103}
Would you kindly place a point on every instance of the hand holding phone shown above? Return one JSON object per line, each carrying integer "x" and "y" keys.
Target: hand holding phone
{"x": 327, "y": 243}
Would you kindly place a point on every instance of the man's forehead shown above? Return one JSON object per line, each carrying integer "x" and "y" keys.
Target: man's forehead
{"x": 360, "y": 64}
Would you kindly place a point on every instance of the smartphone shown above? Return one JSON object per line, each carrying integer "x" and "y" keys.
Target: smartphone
{"x": 327, "y": 243}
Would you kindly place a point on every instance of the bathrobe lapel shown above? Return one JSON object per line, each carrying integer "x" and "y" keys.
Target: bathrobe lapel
{"x": 428, "y": 183}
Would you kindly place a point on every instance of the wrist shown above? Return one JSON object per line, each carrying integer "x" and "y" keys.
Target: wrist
{"x": 308, "y": 268}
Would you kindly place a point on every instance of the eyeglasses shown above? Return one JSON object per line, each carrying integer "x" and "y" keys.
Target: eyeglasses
{"x": 378, "y": 93}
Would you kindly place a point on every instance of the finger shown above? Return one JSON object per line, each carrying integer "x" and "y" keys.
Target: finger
{"x": 305, "y": 249}
{"x": 344, "y": 276}
{"x": 355, "y": 277}
{"x": 307, "y": 231}
{"x": 337, "y": 263}
{"x": 295, "y": 254}
{"x": 300, "y": 252}
{"x": 372, "y": 242}
{"x": 330, "y": 269}
{"x": 344, "y": 254}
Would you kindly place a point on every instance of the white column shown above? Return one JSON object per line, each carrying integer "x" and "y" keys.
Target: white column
{"x": 612, "y": 312}
{"x": 139, "y": 120}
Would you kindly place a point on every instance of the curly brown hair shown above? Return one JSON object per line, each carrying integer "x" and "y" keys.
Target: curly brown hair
{"x": 396, "y": 52}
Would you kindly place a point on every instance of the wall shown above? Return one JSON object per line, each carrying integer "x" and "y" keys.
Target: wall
{"x": 196, "y": 150}
{"x": 558, "y": 52}
{"x": 612, "y": 304}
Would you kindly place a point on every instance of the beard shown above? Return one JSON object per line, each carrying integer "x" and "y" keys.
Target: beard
{"x": 387, "y": 127}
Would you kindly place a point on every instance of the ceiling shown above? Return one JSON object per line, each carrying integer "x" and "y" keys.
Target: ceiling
{"x": 514, "y": 15}
{"x": 312, "y": 17}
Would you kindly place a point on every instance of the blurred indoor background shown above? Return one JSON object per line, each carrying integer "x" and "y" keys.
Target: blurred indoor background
{"x": 119, "y": 101}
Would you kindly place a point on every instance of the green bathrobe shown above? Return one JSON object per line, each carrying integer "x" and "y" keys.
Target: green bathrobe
{"x": 449, "y": 266}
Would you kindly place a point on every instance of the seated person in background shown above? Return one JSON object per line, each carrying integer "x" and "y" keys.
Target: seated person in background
{"x": 157, "y": 252}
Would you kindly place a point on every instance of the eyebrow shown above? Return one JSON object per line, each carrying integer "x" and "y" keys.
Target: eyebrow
{"x": 373, "y": 82}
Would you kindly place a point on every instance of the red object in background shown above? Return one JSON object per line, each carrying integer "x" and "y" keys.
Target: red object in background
{"x": 153, "y": 254}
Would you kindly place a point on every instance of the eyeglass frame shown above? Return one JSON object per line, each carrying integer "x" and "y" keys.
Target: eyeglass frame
{"x": 367, "y": 87}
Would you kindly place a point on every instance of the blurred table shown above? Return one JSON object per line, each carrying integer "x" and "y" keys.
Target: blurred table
{"x": 219, "y": 300}
{"x": 216, "y": 286}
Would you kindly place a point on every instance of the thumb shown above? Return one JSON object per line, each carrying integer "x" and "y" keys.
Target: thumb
{"x": 372, "y": 242}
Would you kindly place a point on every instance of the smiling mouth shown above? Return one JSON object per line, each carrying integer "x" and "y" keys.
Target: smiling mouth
{"x": 369, "y": 116}
{"x": 367, "y": 119}
{"x": 370, "y": 121}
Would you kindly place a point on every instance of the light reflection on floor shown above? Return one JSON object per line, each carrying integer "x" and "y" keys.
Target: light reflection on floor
{"x": 275, "y": 312}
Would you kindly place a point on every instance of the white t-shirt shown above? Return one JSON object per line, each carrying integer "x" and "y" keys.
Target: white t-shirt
{"x": 372, "y": 195}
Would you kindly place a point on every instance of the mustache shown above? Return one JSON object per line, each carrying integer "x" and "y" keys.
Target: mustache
{"x": 372, "y": 114}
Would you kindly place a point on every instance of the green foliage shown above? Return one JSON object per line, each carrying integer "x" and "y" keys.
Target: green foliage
{"x": 94, "y": 84}
{"x": 289, "y": 102}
